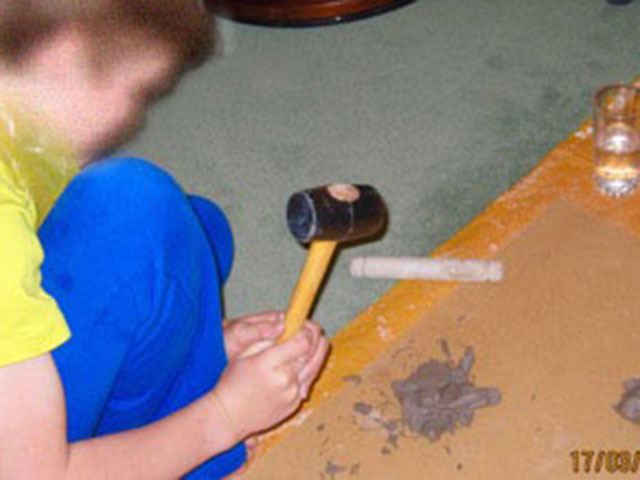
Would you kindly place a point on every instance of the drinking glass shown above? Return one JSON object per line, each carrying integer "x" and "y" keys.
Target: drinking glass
{"x": 616, "y": 112}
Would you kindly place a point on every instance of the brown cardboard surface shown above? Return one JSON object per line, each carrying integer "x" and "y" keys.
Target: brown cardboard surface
{"x": 558, "y": 337}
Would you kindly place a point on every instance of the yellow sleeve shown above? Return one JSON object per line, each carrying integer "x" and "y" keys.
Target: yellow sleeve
{"x": 30, "y": 321}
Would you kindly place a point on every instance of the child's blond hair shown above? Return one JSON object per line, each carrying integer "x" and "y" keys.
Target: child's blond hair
{"x": 184, "y": 25}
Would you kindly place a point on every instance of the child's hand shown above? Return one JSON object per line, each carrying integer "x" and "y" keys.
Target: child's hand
{"x": 260, "y": 390}
{"x": 312, "y": 364}
{"x": 243, "y": 333}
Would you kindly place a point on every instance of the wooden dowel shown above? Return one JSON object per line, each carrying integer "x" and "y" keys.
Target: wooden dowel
{"x": 417, "y": 268}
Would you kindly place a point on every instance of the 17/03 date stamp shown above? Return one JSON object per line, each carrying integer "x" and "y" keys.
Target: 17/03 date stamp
{"x": 605, "y": 461}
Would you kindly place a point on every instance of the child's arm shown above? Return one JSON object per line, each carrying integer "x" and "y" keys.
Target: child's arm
{"x": 34, "y": 445}
{"x": 254, "y": 394}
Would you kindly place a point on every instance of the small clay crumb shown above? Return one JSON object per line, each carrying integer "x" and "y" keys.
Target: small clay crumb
{"x": 461, "y": 318}
{"x": 390, "y": 426}
{"x": 533, "y": 397}
{"x": 320, "y": 427}
{"x": 355, "y": 469}
{"x": 355, "y": 379}
{"x": 459, "y": 466}
{"x": 333, "y": 468}
{"x": 444, "y": 346}
{"x": 385, "y": 451}
{"x": 362, "y": 408}
{"x": 629, "y": 404}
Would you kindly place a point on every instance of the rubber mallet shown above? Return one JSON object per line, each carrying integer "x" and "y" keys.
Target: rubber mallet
{"x": 323, "y": 217}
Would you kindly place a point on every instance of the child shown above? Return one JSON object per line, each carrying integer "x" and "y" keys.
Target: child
{"x": 150, "y": 384}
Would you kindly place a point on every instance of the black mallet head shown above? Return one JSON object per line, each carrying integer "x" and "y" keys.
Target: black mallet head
{"x": 338, "y": 212}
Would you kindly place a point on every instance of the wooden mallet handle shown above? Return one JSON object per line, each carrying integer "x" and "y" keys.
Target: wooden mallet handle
{"x": 304, "y": 293}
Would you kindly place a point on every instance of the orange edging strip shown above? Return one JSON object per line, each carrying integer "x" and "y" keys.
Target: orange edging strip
{"x": 565, "y": 172}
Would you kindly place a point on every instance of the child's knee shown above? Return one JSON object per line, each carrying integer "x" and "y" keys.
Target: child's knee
{"x": 127, "y": 194}
{"x": 135, "y": 185}
{"x": 127, "y": 208}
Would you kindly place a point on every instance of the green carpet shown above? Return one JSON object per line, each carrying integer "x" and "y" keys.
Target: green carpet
{"x": 442, "y": 105}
